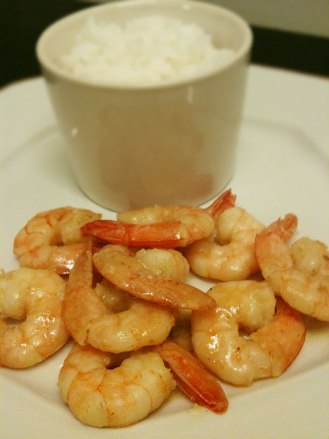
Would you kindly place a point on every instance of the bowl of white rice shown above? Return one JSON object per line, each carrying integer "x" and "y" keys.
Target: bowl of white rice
{"x": 149, "y": 96}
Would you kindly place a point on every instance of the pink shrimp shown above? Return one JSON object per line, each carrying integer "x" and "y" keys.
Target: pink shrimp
{"x": 230, "y": 253}
{"x": 119, "y": 266}
{"x": 52, "y": 239}
{"x": 299, "y": 273}
{"x": 159, "y": 226}
{"x": 193, "y": 378}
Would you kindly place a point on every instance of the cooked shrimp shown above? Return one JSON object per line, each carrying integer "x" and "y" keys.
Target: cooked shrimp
{"x": 181, "y": 331}
{"x": 165, "y": 262}
{"x": 53, "y": 239}
{"x": 101, "y": 392}
{"x": 300, "y": 275}
{"x": 120, "y": 267}
{"x": 33, "y": 298}
{"x": 157, "y": 226}
{"x": 275, "y": 336}
{"x": 230, "y": 254}
{"x": 193, "y": 378}
{"x": 109, "y": 319}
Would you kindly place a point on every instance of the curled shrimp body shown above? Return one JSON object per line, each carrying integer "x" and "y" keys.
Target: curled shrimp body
{"x": 167, "y": 263}
{"x": 33, "y": 298}
{"x": 53, "y": 239}
{"x": 102, "y": 392}
{"x": 299, "y": 274}
{"x": 110, "y": 319}
{"x": 274, "y": 333}
{"x": 119, "y": 266}
{"x": 230, "y": 254}
{"x": 158, "y": 226}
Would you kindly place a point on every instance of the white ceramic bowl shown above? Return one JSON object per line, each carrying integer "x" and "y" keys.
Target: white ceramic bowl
{"x": 172, "y": 143}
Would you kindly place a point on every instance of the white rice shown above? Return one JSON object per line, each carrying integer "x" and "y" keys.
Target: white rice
{"x": 147, "y": 50}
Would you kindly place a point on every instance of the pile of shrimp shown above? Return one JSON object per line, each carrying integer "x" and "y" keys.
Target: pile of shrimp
{"x": 120, "y": 290}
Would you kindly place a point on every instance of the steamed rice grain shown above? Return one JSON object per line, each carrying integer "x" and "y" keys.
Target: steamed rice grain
{"x": 145, "y": 50}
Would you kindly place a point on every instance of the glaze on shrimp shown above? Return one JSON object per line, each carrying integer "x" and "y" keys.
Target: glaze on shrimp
{"x": 273, "y": 333}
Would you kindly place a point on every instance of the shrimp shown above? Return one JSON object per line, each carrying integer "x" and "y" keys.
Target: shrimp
{"x": 52, "y": 239}
{"x": 193, "y": 378}
{"x": 102, "y": 391}
{"x": 299, "y": 274}
{"x": 230, "y": 254}
{"x": 119, "y": 266}
{"x": 273, "y": 334}
{"x": 110, "y": 319}
{"x": 165, "y": 262}
{"x": 181, "y": 331}
{"x": 33, "y": 298}
{"x": 157, "y": 226}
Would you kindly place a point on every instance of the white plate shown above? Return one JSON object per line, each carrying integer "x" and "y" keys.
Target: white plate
{"x": 283, "y": 165}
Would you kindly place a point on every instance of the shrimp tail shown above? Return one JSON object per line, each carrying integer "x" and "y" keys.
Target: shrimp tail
{"x": 193, "y": 378}
{"x": 284, "y": 227}
{"x": 221, "y": 203}
{"x": 131, "y": 276}
{"x": 165, "y": 292}
{"x": 271, "y": 252}
{"x": 160, "y": 235}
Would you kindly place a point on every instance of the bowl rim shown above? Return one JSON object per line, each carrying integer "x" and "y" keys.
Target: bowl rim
{"x": 47, "y": 65}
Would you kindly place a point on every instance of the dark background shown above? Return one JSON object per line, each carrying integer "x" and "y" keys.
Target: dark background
{"x": 22, "y": 21}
